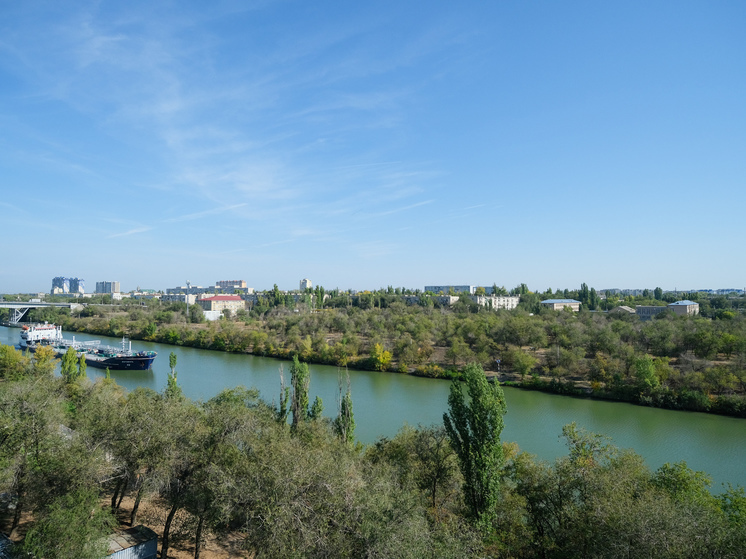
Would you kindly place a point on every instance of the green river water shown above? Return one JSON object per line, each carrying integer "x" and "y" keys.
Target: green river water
{"x": 383, "y": 402}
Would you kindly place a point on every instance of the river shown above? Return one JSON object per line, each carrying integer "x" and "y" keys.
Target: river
{"x": 383, "y": 402}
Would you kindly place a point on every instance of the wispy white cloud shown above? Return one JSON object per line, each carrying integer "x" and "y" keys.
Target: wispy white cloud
{"x": 134, "y": 231}
{"x": 403, "y": 209}
{"x": 198, "y": 215}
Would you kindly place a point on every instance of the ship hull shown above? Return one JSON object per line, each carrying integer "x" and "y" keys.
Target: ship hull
{"x": 122, "y": 363}
{"x": 116, "y": 363}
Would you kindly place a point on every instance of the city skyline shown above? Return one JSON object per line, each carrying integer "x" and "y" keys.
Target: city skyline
{"x": 363, "y": 146}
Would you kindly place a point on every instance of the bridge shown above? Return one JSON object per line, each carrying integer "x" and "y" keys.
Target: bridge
{"x": 20, "y": 309}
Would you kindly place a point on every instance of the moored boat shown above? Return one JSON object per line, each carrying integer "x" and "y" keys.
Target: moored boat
{"x": 96, "y": 355}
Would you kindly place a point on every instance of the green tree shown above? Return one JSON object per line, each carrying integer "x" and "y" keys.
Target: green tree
{"x": 317, "y": 409}
{"x": 647, "y": 380}
{"x": 69, "y": 369}
{"x": 82, "y": 366}
{"x": 13, "y": 364}
{"x": 344, "y": 424}
{"x": 44, "y": 361}
{"x": 381, "y": 358}
{"x": 474, "y": 427}
{"x": 300, "y": 378}
{"x": 173, "y": 390}
{"x": 74, "y": 525}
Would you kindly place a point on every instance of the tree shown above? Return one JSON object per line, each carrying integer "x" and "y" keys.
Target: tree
{"x": 474, "y": 429}
{"x": 344, "y": 425}
{"x": 82, "y": 366}
{"x": 317, "y": 409}
{"x": 658, "y": 294}
{"x": 381, "y": 358}
{"x": 13, "y": 363}
{"x": 300, "y": 378}
{"x": 69, "y": 369}
{"x": 173, "y": 390}
{"x": 44, "y": 361}
{"x": 73, "y": 526}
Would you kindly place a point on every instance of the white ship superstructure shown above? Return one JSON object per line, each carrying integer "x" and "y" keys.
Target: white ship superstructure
{"x": 45, "y": 333}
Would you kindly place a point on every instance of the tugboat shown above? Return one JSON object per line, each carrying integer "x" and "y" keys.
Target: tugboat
{"x": 96, "y": 355}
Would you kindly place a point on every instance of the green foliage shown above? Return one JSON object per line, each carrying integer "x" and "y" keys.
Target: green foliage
{"x": 317, "y": 409}
{"x": 69, "y": 367}
{"x": 474, "y": 429}
{"x": 173, "y": 390}
{"x": 344, "y": 424}
{"x": 44, "y": 361}
{"x": 13, "y": 364}
{"x": 645, "y": 371}
{"x": 300, "y": 378}
{"x": 380, "y": 358}
{"x": 82, "y": 366}
{"x": 74, "y": 525}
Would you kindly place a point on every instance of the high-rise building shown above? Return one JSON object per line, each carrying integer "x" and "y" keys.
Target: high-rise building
{"x": 60, "y": 285}
{"x": 77, "y": 285}
{"x": 68, "y": 285}
{"x": 305, "y": 284}
{"x": 107, "y": 287}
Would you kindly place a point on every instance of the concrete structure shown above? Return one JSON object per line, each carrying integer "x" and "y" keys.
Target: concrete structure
{"x": 231, "y": 284}
{"x": 221, "y": 303}
{"x": 139, "y": 542}
{"x": 212, "y": 315}
{"x": 646, "y": 312}
{"x": 489, "y": 301}
{"x": 496, "y": 301}
{"x": 305, "y": 284}
{"x": 446, "y": 289}
{"x": 179, "y": 298}
{"x": 228, "y": 287}
{"x": 107, "y": 287}
{"x": 684, "y": 308}
{"x": 559, "y": 304}
{"x": 19, "y": 310}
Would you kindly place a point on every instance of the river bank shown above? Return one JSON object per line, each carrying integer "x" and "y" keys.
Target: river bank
{"x": 236, "y": 337}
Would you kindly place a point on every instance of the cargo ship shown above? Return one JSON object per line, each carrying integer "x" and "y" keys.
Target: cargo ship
{"x": 96, "y": 355}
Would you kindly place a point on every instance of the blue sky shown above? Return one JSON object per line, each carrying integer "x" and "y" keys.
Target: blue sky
{"x": 370, "y": 144}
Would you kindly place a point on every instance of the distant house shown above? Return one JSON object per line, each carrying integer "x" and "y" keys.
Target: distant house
{"x": 559, "y": 304}
{"x": 221, "y": 303}
{"x": 681, "y": 308}
{"x": 684, "y": 308}
{"x": 139, "y": 542}
{"x": 623, "y": 309}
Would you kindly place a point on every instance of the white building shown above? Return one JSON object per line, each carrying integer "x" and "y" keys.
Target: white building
{"x": 305, "y": 284}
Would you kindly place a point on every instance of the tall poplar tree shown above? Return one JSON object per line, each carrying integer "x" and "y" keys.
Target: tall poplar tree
{"x": 474, "y": 425}
{"x": 68, "y": 368}
{"x": 300, "y": 378}
{"x": 344, "y": 425}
